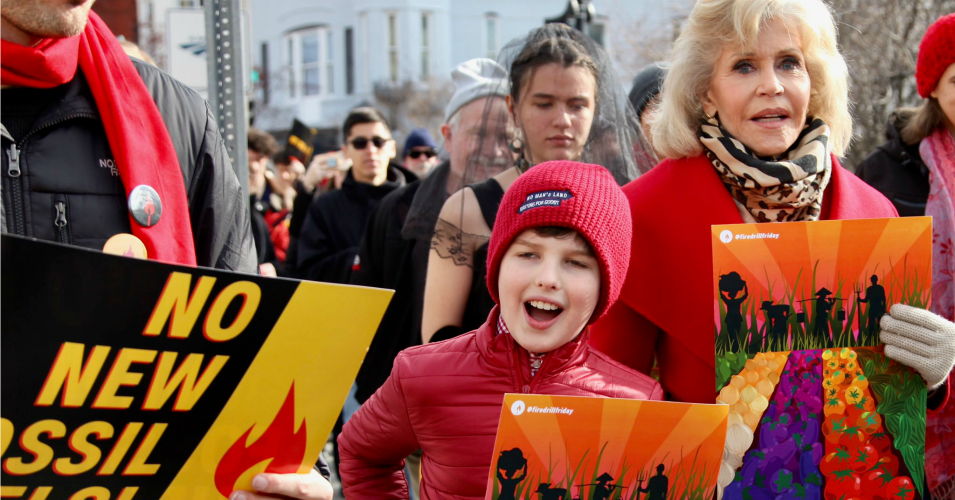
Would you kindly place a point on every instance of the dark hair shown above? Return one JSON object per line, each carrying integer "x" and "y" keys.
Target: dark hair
{"x": 262, "y": 142}
{"x": 560, "y": 47}
{"x": 365, "y": 114}
{"x": 281, "y": 158}
{"x": 923, "y": 121}
{"x": 561, "y": 232}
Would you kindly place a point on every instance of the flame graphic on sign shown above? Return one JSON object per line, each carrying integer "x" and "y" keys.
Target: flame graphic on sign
{"x": 280, "y": 444}
{"x": 130, "y": 252}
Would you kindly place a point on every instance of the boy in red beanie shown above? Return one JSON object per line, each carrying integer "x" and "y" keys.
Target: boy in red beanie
{"x": 557, "y": 259}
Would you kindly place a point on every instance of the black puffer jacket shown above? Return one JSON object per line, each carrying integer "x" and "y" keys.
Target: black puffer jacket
{"x": 334, "y": 225}
{"x": 389, "y": 260}
{"x": 65, "y": 173}
{"x": 896, "y": 170}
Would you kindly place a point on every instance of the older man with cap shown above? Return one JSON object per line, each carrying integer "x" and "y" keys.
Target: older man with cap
{"x": 420, "y": 153}
{"x": 394, "y": 251}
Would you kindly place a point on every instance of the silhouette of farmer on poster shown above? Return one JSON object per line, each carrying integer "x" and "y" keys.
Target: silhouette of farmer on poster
{"x": 731, "y": 284}
{"x": 657, "y": 487}
{"x": 823, "y": 307}
{"x": 547, "y": 493}
{"x": 604, "y": 487}
{"x": 510, "y": 462}
{"x": 875, "y": 297}
{"x": 777, "y": 319}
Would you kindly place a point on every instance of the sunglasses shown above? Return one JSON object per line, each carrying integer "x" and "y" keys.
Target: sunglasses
{"x": 417, "y": 154}
{"x": 362, "y": 142}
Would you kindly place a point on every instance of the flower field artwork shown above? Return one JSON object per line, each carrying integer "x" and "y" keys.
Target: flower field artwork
{"x": 816, "y": 411}
{"x": 566, "y": 447}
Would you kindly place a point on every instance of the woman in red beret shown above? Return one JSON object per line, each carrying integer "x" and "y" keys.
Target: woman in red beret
{"x": 915, "y": 169}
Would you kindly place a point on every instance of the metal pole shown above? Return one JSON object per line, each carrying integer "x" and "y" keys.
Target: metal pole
{"x": 226, "y": 93}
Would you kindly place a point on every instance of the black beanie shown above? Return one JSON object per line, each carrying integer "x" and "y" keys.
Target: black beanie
{"x": 646, "y": 85}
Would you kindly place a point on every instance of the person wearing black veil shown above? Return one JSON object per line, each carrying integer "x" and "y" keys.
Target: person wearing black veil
{"x": 566, "y": 103}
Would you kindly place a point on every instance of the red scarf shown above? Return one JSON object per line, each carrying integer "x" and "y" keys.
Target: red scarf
{"x": 136, "y": 132}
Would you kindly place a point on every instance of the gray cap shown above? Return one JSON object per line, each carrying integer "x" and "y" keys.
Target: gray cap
{"x": 474, "y": 79}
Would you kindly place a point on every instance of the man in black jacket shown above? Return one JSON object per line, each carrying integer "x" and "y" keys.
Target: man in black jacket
{"x": 329, "y": 238}
{"x": 60, "y": 180}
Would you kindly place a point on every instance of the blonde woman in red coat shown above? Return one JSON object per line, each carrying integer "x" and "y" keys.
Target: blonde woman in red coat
{"x": 753, "y": 116}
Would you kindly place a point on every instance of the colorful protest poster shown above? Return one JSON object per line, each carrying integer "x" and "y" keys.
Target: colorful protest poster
{"x": 566, "y": 447}
{"x": 816, "y": 409}
{"x": 133, "y": 379}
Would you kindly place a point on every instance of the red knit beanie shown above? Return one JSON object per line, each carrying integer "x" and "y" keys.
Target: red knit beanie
{"x": 936, "y": 54}
{"x": 579, "y": 196}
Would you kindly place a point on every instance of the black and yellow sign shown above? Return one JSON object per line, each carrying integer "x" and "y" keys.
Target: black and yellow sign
{"x": 131, "y": 379}
{"x": 301, "y": 141}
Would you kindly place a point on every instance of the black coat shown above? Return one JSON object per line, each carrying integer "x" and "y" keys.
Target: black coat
{"x": 65, "y": 169}
{"x": 896, "y": 170}
{"x": 334, "y": 225}
{"x": 388, "y": 260}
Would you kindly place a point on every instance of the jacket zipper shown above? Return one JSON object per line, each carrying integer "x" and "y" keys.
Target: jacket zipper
{"x": 14, "y": 172}
{"x": 521, "y": 386}
{"x": 60, "y": 222}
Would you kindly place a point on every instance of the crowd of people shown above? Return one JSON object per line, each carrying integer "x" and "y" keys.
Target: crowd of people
{"x": 533, "y": 251}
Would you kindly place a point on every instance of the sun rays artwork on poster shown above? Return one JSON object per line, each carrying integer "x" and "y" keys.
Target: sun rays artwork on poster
{"x": 816, "y": 409}
{"x": 567, "y": 447}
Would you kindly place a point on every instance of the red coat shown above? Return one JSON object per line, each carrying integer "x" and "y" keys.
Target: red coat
{"x": 445, "y": 398}
{"x": 665, "y": 307}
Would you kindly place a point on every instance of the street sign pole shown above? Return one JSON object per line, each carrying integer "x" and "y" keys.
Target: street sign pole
{"x": 226, "y": 93}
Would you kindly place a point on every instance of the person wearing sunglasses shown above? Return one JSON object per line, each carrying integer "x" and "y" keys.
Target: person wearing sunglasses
{"x": 335, "y": 222}
{"x": 420, "y": 154}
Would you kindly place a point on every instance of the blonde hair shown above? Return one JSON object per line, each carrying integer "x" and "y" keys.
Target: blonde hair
{"x": 714, "y": 24}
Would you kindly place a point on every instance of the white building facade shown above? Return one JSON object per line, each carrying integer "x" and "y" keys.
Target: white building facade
{"x": 318, "y": 59}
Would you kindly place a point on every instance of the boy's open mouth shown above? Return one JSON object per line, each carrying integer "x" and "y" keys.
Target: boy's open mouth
{"x": 542, "y": 311}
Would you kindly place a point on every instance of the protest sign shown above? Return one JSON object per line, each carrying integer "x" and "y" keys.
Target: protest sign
{"x": 134, "y": 379}
{"x": 579, "y": 447}
{"x": 816, "y": 407}
{"x": 300, "y": 142}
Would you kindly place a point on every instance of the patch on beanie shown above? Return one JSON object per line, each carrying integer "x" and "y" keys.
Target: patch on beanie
{"x": 544, "y": 199}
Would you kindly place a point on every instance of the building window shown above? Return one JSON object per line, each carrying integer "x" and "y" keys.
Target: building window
{"x": 491, "y": 35}
{"x": 349, "y": 61}
{"x": 363, "y": 49}
{"x": 393, "y": 70}
{"x": 596, "y": 31}
{"x": 329, "y": 64}
{"x": 425, "y": 45}
{"x": 310, "y": 67}
{"x": 264, "y": 73}
{"x": 308, "y": 63}
{"x": 290, "y": 67}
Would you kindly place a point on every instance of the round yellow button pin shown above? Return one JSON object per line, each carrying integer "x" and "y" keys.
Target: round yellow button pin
{"x": 126, "y": 245}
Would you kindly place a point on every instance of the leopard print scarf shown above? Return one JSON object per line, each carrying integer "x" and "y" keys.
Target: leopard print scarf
{"x": 772, "y": 190}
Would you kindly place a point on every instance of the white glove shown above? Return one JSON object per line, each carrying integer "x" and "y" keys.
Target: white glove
{"x": 920, "y": 340}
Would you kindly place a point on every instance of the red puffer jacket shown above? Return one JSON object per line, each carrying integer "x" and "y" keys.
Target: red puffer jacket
{"x": 445, "y": 398}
